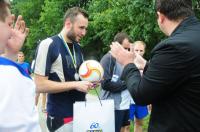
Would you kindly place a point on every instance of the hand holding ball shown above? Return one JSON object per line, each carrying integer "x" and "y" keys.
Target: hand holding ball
{"x": 91, "y": 71}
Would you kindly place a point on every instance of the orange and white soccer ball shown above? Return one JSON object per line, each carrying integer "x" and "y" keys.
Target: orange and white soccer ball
{"x": 91, "y": 70}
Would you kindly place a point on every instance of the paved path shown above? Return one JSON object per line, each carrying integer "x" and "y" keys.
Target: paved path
{"x": 42, "y": 116}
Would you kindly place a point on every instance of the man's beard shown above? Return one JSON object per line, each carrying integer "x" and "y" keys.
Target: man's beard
{"x": 71, "y": 35}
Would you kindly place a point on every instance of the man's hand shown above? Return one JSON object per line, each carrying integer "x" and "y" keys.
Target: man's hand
{"x": 84, "y": 86}
{"x": 95, "y": 85}
{"x": 139, "y": 61}
{"x": 122, "y": 56}
{"x": 19, "y": 33}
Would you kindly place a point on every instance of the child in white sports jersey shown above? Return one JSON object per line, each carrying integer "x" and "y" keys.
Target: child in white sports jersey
{"x": 17, "y": 112}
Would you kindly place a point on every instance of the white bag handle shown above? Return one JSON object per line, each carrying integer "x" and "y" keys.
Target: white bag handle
{"x": 98, "y": 98}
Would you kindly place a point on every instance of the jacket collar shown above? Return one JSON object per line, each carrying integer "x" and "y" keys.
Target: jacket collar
{"x": 191, "y": 20}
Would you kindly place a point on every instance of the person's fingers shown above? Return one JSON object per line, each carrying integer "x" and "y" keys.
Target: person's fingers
{"x": 112, "y": 50}
{"x": 132, "y": 47}
{"x": 26, "y": 31}
{"x": 112, "y": 47}
{"x": 90, "y": 85}
{"x": 18, "y": 22}
{"x": 118, "y": 47}
{"x": 115, "y": 48}
{"x": 22, "y": 27}
{"x": 136, "y": 55}
{"x": 13, "y": 17}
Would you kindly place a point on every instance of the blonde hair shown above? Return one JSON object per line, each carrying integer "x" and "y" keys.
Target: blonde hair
{"x": 140, "y": 42}
{"x": 20, "y": 52}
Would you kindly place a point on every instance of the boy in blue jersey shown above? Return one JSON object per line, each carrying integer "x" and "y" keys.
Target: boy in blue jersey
{"x": 56, "y": 70}
{"x": 24, "y": 65}
{"x": 17, "y": 112}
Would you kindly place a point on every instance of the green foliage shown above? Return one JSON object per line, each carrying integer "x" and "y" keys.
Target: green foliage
{"x": 51, "y": 17}
{"x": 30, "y": 10}
{"x": 107, "y": 17}
{"x": 137, "y": 18}
{"x": 196, "y": 5}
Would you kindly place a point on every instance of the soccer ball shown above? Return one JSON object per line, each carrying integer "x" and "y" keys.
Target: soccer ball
{"x": 91, "y": 70}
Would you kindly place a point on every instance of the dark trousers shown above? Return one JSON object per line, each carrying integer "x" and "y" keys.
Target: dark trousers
{"x": 54, "y": 123}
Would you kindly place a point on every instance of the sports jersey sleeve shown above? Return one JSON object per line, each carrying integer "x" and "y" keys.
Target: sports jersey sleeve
{"x": 43, "y": 58}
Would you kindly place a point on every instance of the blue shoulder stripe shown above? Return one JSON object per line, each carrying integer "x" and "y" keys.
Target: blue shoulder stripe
{"x": 4, "y": 61}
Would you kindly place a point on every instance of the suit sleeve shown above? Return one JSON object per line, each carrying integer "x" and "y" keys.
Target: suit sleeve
{"x": 108, "y": 64}
{"x": 162, "y": 77}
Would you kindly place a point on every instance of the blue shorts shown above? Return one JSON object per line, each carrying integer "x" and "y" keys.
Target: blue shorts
{"x": 138, "y": 111}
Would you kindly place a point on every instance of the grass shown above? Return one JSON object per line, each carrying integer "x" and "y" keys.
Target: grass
{"x": 145, "y": 124}
{"x": 146, "y": 119}
{"x": 93, "y": 92}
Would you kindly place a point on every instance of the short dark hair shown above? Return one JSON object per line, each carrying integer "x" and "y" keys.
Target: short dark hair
{"x": 4, "y": 5}
{"x": 73, "y": 12}
{"x": 119, "y": 37}
{"x": 175, "y": 9}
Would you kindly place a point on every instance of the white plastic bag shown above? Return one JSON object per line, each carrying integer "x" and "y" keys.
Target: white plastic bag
{"x": 94, "y": 116}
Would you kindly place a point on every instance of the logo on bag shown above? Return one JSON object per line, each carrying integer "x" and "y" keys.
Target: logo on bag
{"x": 95, "y": 127}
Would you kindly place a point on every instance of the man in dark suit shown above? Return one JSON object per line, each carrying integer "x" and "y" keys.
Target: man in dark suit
{"x": 171, "y": 80}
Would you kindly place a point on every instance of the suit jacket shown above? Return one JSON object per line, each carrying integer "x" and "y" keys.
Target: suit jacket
{"x": 171, "y": 81}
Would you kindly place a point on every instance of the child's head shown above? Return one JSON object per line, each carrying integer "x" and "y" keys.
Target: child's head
{"x": 139, "y": 47}
{"x": 5, "y": 22}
